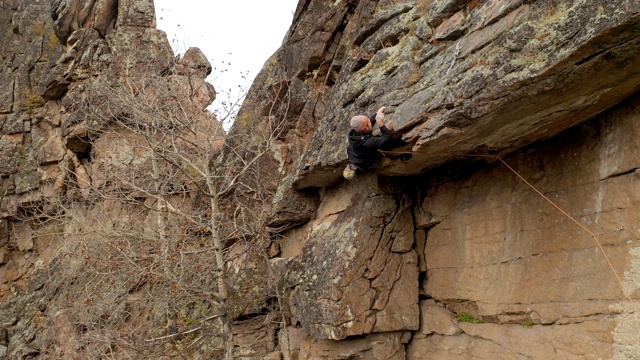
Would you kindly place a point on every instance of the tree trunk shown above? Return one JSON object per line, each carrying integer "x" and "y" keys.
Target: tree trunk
{"x": 223, "y": 290}
{"x": 164, "y": 245}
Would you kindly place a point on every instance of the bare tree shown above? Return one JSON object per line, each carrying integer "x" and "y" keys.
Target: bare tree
{"x": 162, "y": 186}
{"x": 228, "y": 100}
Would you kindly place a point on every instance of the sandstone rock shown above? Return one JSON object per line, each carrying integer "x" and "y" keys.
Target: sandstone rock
{"x": 248, "y": 281}
{"x": 4, "y": 256}
{"x": 452, "y": 109}
{"x": 291, "y": 208}
{"x": 71, "y": 15}
{"x": 30, "y": 25}
{"x": 490, "y": 341}
{"x": 77, "y": 138}
{"x": 69, "y": 57}
{"x": 388, "y": 346}
{"x": 440, "y": 10}
{"x": 133, "y": 48}
{"x": 23, "y": 236}
{"x": 194, "y": 94}
{"x": 54, "y": 116}
{"x": 452, "y": 28}
{"x": 117, "y": 151}
{"x": 193, "y": 62}
{"x": 87, "y": 54}
{"x": 253, "y": 338}
{"x": 52, "y": 150}
{"x": 82, "y": 178}
{"x": 294, "y": 240}
{"x": 274, "y": 250}
{"x": 481, "y": 37}
{"x": 353, "y": 282}
{"x": 140, "y": 13}
{"x": 292, "y": 339}
{"x": 496, "y": 72}
{"x": 491, "y": 11}
{"x": 435, "y": 319}
{"x": 27, "y": 179}
{"x": 54, "y": 86}
{"x": 6, "y": 93}
{"x": 8, "y": 148}
{"x": 9, "y": 206}
{"x": 14, "y": 123}
{"x": 336, "y": 201}
{"x": 55, "y": 178}
{"x": 4, "y": 232}
{"x": 527, "y": 253}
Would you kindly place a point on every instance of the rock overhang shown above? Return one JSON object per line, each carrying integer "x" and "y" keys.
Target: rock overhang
{"x": 514, "y": 74}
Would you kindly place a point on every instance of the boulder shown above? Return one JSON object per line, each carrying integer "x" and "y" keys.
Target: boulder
{"x": 358, "y": 273}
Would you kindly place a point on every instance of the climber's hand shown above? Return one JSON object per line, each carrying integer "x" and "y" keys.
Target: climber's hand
{"x": 380, "y": 117}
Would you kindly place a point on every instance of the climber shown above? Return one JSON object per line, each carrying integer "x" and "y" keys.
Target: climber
{"x": 363, "y": 148}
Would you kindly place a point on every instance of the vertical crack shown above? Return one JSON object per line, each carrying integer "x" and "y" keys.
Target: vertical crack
{"x": 13, "y": 96}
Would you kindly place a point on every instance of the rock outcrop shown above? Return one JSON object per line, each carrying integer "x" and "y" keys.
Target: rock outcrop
{"x": 70, "y": 71}
{"x": 463, "y": 76}
{"x": 449, "y": 255}
{"x": 451, "y": 245}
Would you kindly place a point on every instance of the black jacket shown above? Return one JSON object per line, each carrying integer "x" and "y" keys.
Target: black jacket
{"x": 363, "y": 147}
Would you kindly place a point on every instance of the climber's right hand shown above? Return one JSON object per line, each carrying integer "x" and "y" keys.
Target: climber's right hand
{"x": 380, "y": 117}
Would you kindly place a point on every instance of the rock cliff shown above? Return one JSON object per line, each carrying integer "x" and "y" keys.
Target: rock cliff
{"x": 511, "y": 232}
{"x": 450, "y": 254}
{"x": 75, "y": 76}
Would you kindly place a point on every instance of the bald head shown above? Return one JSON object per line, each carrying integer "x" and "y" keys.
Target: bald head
{"x": 360, "y": 123}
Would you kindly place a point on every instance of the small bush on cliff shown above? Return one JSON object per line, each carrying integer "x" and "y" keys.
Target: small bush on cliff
{"x": 463, "y": 317}
{"x": 35, "y": 101}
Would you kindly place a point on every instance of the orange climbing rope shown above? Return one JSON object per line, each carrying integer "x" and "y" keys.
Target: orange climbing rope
{"x": 595, "y": 238}
{"x": 604, "y": 253}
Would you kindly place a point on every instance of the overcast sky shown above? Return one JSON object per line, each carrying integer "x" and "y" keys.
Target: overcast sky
{"x": 236, "y": 35}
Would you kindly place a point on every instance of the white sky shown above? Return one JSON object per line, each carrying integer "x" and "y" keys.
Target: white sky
{"x": 235, "y": 35}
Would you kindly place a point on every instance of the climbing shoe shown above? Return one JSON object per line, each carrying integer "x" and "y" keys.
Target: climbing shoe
{"x": 405, "y": 157}
{"x": 349, "y": 172}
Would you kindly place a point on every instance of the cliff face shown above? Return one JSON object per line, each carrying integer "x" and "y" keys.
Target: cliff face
{"x": 72, "y": 74}
{"x": 448, "y": 255}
